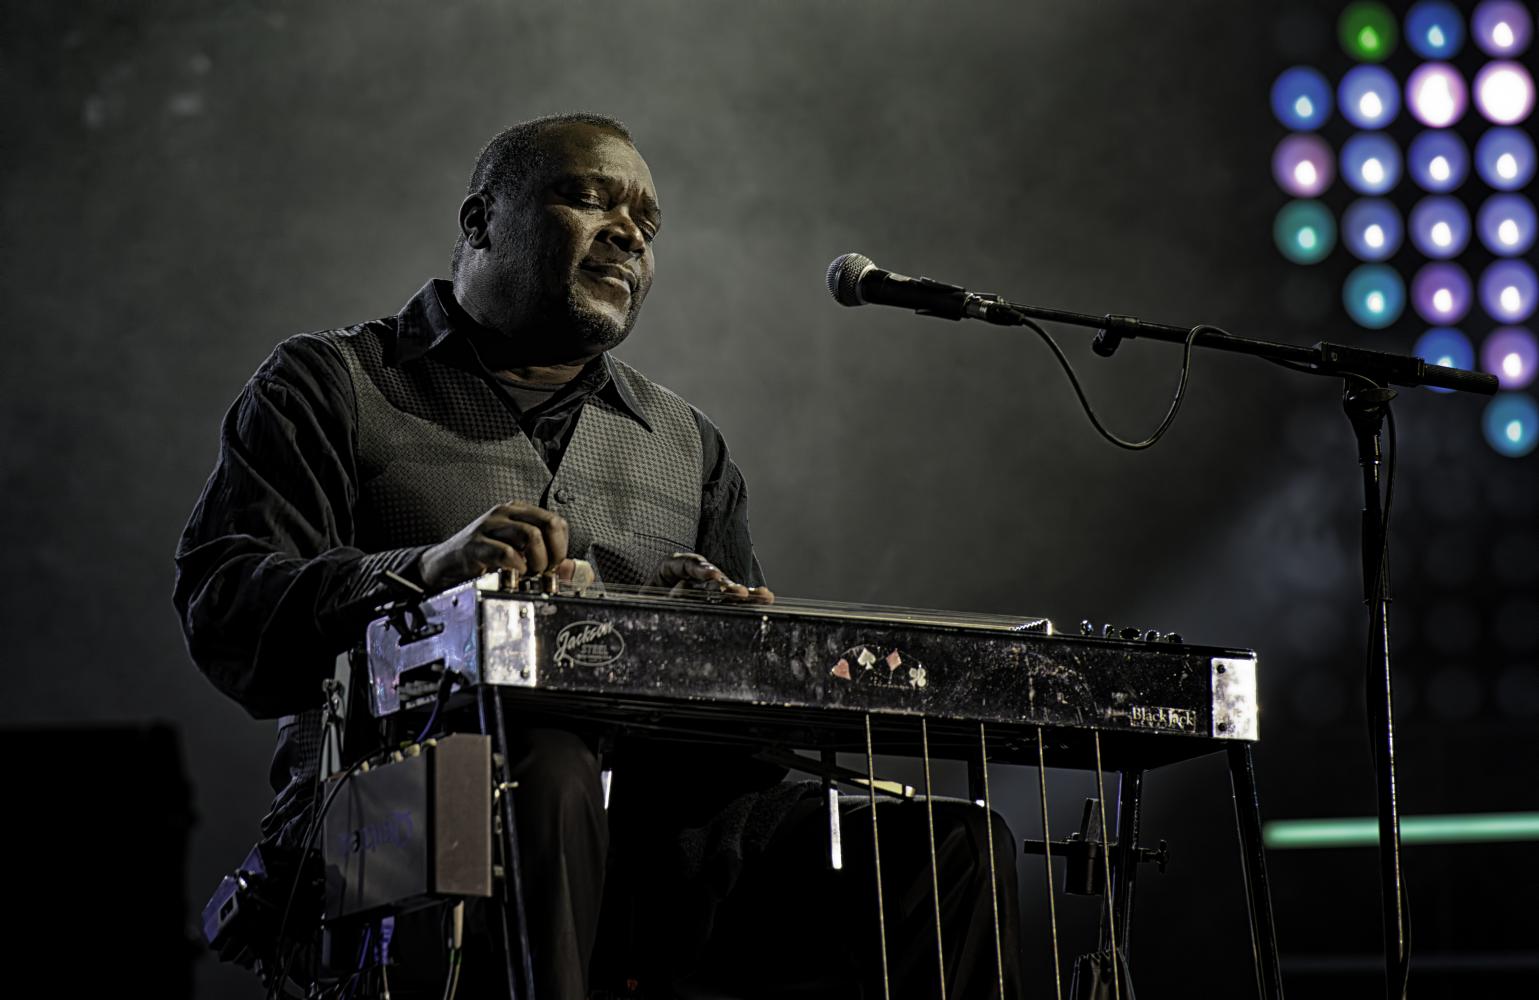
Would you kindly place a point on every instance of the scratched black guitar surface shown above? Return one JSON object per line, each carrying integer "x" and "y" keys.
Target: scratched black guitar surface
{"x": 807, "y": 678}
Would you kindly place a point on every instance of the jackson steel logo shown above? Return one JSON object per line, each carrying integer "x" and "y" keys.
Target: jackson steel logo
{"x": 588, "y": 644}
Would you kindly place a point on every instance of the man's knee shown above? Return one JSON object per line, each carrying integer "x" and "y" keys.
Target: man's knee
{"x": 556, "y": 772}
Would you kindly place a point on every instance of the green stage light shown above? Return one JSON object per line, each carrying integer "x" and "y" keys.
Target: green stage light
{"x": 1305, "y": 232}
{"x": 1367, "y": 31}
{"x": 1364, "y": 832}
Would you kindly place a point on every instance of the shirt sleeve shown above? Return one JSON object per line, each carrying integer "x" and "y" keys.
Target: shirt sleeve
{"x": 723, "y": 537}
{"x": 268, "y": 586}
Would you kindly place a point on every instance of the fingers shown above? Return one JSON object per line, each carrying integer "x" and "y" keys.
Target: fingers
{"x": 689, "y": 574}
{"x": 551, "y": 527}
{"x": 687, "y": 567}
{"x": 523, "y": 537}
{"x": 487, "y": 554}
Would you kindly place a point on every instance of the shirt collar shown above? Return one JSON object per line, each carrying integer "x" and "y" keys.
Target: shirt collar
{"x": 432, "y": 321}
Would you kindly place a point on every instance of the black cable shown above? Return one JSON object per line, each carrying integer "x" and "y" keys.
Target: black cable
{"x": 1095, "y": 421}
{"x": 282, "y": 971}
{"x": 445, "y": 682}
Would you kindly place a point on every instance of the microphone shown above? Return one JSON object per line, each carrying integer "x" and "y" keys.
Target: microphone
{"x": 854, "y": 281}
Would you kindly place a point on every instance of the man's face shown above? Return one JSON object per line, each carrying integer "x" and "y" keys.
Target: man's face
{"x": 571, "y": 255}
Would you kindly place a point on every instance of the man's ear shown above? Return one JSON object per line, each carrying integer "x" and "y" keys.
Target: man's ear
{"x": 475, "y": 219}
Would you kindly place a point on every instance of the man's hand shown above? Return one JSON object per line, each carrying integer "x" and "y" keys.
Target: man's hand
{"x": 515, "y": 536}
{"x": 689, "y": 575}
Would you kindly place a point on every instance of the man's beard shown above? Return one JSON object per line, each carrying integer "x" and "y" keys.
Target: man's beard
{"x": 561, "y": 325}
{"x": 594, "y": 328}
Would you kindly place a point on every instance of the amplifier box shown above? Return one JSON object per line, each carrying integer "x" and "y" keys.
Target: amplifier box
{"x": 412, "y": 830}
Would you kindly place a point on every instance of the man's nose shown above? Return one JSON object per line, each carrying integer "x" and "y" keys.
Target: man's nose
{"x": 622, "y": 232}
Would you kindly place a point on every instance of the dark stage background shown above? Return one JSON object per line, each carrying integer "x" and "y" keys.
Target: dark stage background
{"x": 187, "y": 183}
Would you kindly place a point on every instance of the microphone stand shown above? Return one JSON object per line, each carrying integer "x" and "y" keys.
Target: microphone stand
{"x": 1366, "y": 396}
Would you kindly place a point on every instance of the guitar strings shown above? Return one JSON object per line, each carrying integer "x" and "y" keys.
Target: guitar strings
{"x": 1111, "y": 919}
{"x": 1047, "y": 851}
{"x": 988, "y": 825}
{"x": 929, "y": 815}
{"x": 876, "y": 854}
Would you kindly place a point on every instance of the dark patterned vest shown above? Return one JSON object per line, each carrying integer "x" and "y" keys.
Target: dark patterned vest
{"x": 437, "y": 447}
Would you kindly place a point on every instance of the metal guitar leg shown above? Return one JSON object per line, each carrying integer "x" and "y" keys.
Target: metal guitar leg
{"x": 1130, "y": 786}
{"x": 1258, "y": 891}
{"x": 514, "y": 923}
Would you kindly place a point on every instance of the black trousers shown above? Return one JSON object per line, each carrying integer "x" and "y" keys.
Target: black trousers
{"x": 628, "y": 901}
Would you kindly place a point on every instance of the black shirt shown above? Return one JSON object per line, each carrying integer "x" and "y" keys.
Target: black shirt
{"x": 270, "y": 586}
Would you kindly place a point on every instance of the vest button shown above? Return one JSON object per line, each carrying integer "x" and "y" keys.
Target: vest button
{"x": 564, "y": 495}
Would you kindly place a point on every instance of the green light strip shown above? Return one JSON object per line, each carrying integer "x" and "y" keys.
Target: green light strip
{"x": 1364, "y": 832}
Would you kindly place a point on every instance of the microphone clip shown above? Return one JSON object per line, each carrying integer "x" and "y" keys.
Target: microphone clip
{"x": 1110, "y": 336}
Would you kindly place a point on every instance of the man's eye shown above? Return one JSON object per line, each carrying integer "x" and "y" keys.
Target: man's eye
{"x": 588, "y": 198}
{"x": 648, "y": 235}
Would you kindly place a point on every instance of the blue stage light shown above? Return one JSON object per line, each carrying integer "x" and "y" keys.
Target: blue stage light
{"x": 1368, "y": 97}
{"x": 1371, "y": 229}
{"x": 1511, "y": 423}
{"x": 1440, "y": 226}
{"x": 1509, "y": 290}
{"x": 1445, "y": 346}
{"x": 1370, "y": 163}
{"x": 1374, "y": 296}
{"x": 1505, "y": 158}
{"x": 1438, "y": 160}
{"x": 1506, "y": 223}
{"x": 1434, "y": 29}
{"x": 1302, "y": 99}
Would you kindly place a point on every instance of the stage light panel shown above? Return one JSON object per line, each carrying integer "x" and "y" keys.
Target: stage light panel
{"x": 1440, "y": 226}
{"x": 1502, "y": 28}
{"x": 1368, "y": 97}
{"x": 1440, "y": 293}
{"x": 1511, "y": 424}
{"x": 1504, "y": 92}
{"x": 1504, "y": 158}
{"x": 1367, "y": 31}
{"x": 1509, "y": 290}
{"x": 1370, "y": 163}
{"x": 1436, "y": 94}
{"x": 1447, "y": 347}
{"x": 1512, "y": 355}
{"x": 1438, "y": 161}
{"x": 1302, "y": 98}
{"x": 1364, "y": 832}
{"x": 1305, "y": 232}
{"x": 1506, "y": 224}
{"x": 1434, "y": 29}
{"x": 1371, "y": 229}
{"x": 1374, "y": 296}
{"x": 1303, "y": 165}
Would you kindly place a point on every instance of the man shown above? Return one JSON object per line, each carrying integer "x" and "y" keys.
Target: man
{"x": 486, "y": 426}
